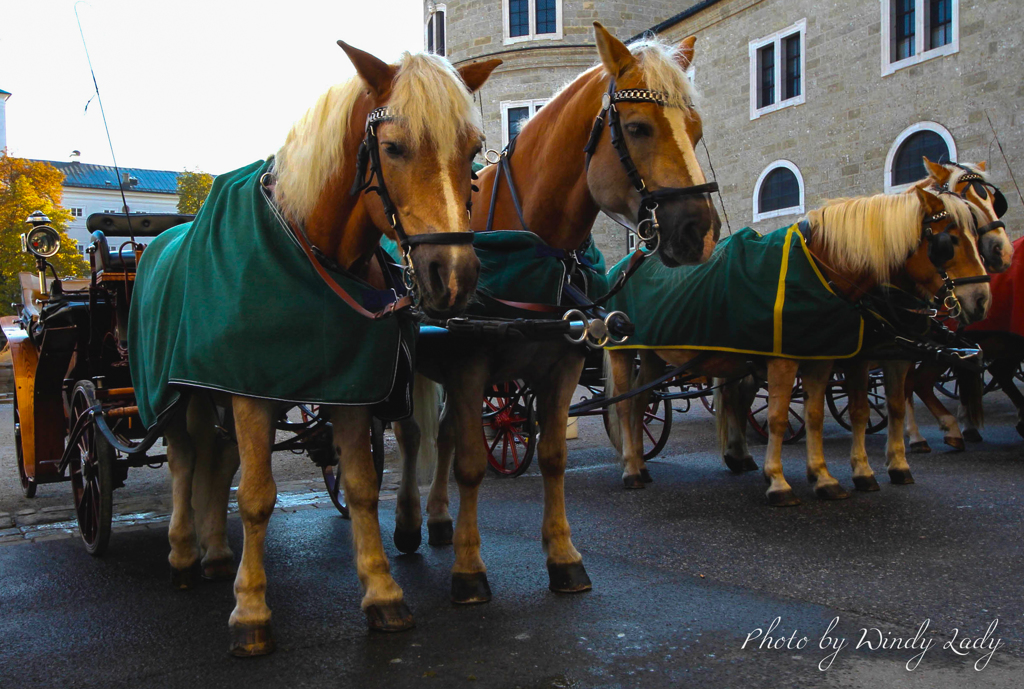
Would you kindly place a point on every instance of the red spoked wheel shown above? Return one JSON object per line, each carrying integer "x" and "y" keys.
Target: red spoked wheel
{"x": 332, "y": 472}
{"x": 28, "y": 486}
{"x": 758, "y": 414}
{"x": 839, "y": 401}
{"x": 91, "y": 468}
{"x": 510, "y": 428}
{"x": 657, "y": 426}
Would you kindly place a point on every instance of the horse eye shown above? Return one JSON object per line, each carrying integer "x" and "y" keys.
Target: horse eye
{"x": 392, "y": 149}
{"x": 638, "y": 129}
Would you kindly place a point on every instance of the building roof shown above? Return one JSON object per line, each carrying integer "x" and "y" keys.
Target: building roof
{"x": 88, "y": 176}
{"x": 4, "y": 93}
{"x": 676, "y": 18}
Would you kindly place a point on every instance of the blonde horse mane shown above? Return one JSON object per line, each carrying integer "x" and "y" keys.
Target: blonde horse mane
{"x": 871, "y": 234}
{"x": 428, "y": 94}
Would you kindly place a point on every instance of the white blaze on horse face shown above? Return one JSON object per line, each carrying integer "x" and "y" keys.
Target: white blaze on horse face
{"x": 457, "y": 216}
{"x": 677, "y": 119}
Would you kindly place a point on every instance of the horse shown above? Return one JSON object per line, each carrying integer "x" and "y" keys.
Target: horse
{"x": 619, "y": 139}
{"x": 412, "y": 126}
{"x": 856, "y": 244}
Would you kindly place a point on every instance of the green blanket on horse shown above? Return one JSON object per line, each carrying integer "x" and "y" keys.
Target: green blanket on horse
{"x": 760, "y": 295}
{"x": 230, "y": 302}
{"x": 517, "y": 266}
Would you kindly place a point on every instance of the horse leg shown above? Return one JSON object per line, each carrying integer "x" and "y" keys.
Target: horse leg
{"x": 566, "y": 573}
{"x": 181, "y": 532}
{"x": 465, "y": 392}
{"x": 781, "y": 375}
{"x": 971, "y": 411}
{"x": 408, "y": 514}
{"x": 925, "y": 388}
{"x": 257, "y": 493}
{"x": 918, "y": 444}
{"x": 651, "y": 366}
{"x": 857, "y": 373}
{"x": 896, "y": 402}
{"x": 732, "y": 400}
{"x": 630, "y": 443}
{"x": 1004, "y": 369}
{"x": 816, "y": 376}
{"x": 382, "y": 602}
{"x": 440, "y": 531}
{"x": 216, "y": 464}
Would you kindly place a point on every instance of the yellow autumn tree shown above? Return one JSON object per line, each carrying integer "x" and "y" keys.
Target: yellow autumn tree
{"x": 193, "y": 188}
{"x": 27, "y": 186}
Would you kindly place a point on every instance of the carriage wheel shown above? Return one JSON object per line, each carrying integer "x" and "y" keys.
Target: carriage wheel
{"x": 758, "y": 414}
{"x": 91, "y": 470}
{"x": 947, "y": 384}
{"x": 708, "y": 398}
{"x": 28, "y": 486}
{"x": 657, "y": 425}
{"x": 332, "y": 473}
{"x": 510, "y": 428}
{"x": 839, "y": 401}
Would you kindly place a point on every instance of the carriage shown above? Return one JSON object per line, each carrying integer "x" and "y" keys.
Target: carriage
{"x": 75, "y": 414}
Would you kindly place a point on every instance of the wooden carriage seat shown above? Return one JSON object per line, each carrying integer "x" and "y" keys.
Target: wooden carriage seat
{"x": 122, "y": 258}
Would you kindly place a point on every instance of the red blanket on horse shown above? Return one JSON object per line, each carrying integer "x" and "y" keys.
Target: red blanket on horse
{"x": 1007, "y": 312}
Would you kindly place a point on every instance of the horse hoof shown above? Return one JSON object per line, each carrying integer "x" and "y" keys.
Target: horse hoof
{"x": 408, "y": 541}
{"x": 782, "y": 498}
{"x": 250, "y": 640}
{"x": 440, "y": 533}
{"x": 749, "y": 464}
{"x": 920, "y": 447}
{"x": 183, "y": 579}
{"x": 867, "y": 484}
{"x": 972, "y": 435}
{"x": 734, "y": 464}
{"x": 219, "y": 570}
{"x": 957, "y": 444}
{"x": 469, "y": 589}
{"x": 568, "y": 578}
{"x": 632, "y": 482}
{"x": 645, "y": 476}
{"x": 831, "y": 491}
{"x": 389, "y": 617}
{"x": 900, "y": 477}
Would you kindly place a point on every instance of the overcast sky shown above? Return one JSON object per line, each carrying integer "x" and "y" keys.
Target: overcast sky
{"x": 198, "y": 84}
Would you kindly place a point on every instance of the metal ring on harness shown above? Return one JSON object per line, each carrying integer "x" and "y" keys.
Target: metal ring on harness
{"x": 608, "y": 323}
{"x": 647, "y": 244}
{"x": 597, "y": 333}
{"x": 952, "y": 305}
{"x": 497, "y": 156}
{"x": 576, "y": 315}
{"x": 652, "y": 222}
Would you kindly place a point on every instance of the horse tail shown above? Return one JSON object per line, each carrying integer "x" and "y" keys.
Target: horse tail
{"x": 426, "y": 395}
{"x": 972, "y": 389}
{"x": 614, "y": 430}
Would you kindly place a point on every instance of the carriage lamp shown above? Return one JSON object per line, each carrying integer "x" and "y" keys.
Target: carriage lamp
{"x": 42, "y": 241}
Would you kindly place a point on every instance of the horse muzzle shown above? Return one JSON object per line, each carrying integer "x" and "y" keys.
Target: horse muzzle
{"x": 446, "y": 277}
{"x": 689, "y": 229}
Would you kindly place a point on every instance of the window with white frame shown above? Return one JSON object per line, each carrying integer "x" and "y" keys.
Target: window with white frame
{"x": 779, "y": 191}
{"x": 76, "y": 212}
{"x": 514, "y": 114}
{"x": 530, "y": 20}
{"x": 904, "y": 164}
{"x": 917, "y": 30}
{"x": 436, "y": 30}
{"x": 777, "y": 70}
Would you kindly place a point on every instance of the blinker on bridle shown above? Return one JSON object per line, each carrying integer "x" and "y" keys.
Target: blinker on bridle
{"x": 369, "y": 157}
{"x": 649, "y": 199}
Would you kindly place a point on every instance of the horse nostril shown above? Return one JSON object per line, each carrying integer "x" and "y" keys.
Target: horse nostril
{"x": 437, "y": 282}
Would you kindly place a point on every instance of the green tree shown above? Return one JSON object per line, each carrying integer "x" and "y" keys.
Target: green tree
{"x": 193, "y": 188}
{"x": 27, "y": 186}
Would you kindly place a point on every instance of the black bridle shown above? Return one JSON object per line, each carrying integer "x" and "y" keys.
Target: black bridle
{"x": 941, "y": 249}
{"x": 369, "y": 157}
{"x": 982, "y": 187}
{"x": 649, "y": 199}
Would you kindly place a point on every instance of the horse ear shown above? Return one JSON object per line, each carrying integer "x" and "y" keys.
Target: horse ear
{"x": 981, "y": 165}
{"x": 939, "y": 173}
{"x": 685, "y": 48}
{"x": 476, "y": 74}
{"x": 615, "y": 56}
{"x": 929, "y": 202}
{"x": 375, "y": 72}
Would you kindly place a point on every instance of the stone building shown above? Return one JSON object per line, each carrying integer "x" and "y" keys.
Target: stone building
{"x": 802, "y": 100}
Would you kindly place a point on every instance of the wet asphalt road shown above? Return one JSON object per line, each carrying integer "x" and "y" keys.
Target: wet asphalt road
{"x": 683, "y": 571}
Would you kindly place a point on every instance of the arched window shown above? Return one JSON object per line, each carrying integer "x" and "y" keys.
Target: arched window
{"x": 779, "y": 191}
{"x": 904, "y": 164}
